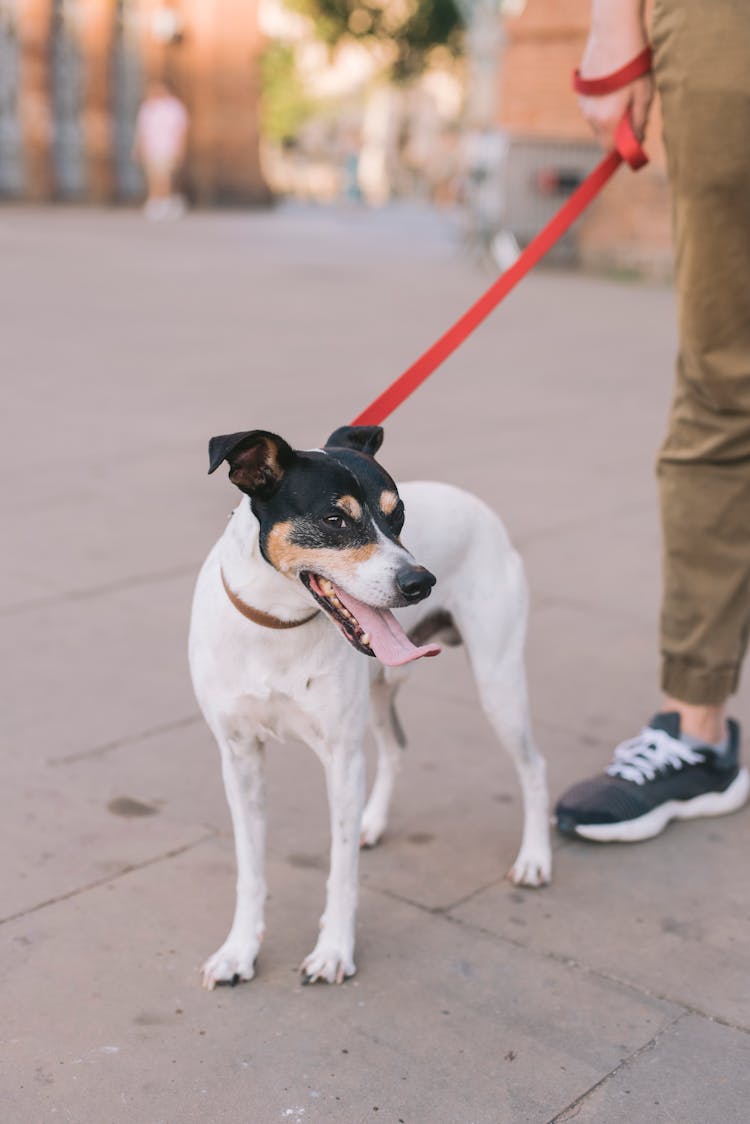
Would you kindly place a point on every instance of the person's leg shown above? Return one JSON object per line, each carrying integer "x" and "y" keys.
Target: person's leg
{"x": 158, "y": 179}
{"x": 702, "y": 61}
{"x": 706, "y": 723}
{"x": 685, "y": 763}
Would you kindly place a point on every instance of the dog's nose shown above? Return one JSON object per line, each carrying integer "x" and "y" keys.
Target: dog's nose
{"x": 415, "y": 582}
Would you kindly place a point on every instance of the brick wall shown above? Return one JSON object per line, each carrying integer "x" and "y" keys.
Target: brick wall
{"x": 213, "y": 65}
{"x": 217, "y": 69}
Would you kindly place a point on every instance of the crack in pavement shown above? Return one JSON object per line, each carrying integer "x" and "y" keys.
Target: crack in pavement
{"x": 542, "y": 602}
{"x": 129, "y": 739}
{"x": 568, "y": 1114}
{"x": 129, "y": 869}
{"x": 133, "y": 582}
{"x": 555, "y": 957}
{"x": 598, "y": 973}
{"x": 540, "y": 534}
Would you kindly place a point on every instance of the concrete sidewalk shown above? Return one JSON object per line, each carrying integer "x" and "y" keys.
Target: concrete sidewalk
{"x": 619, "y": 994}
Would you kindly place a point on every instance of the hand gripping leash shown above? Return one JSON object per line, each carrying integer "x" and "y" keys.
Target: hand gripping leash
{"x": 627, "y": 148}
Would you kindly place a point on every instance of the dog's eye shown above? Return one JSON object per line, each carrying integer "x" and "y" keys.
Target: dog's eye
{"x": 396, "y": 519}
{"x": 336, "y": 521}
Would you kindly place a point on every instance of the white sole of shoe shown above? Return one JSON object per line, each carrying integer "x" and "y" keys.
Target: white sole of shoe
{"x": 654, "y": 822}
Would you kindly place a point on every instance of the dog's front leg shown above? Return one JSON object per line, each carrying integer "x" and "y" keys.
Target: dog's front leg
{"x": 390, "y": 742}
{"x": 244, "y": 782}
{"x": 332, "y": 959}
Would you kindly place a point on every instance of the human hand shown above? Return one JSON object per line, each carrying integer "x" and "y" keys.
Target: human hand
{"x": 611, "y": 44}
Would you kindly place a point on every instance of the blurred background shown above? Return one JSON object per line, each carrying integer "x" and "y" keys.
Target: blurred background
{"x": 463, "y": 105}
{"x": 353, "y": 173}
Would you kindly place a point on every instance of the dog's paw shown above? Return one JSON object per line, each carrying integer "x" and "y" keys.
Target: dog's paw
{"x": 327, "y": 963}
{"x": 371, "y": 832}
{"x": 531, "y": 868}
{"x": 229, "y": 965}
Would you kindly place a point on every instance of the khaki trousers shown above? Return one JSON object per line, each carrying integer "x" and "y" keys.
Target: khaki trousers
{"x": 702, "y": 69}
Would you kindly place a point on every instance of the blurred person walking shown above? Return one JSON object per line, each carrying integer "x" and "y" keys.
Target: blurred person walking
{"x": 160, "y": 142}
{"x": 685, "y": 763}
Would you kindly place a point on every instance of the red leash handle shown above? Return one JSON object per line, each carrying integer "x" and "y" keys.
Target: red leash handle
{"x": 599, "y": 87}
{"x": 627, "y": 148}
{"x": 626, "y": 142}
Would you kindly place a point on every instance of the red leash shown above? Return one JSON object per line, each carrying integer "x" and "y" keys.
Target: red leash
{"x": 627, "y": 148}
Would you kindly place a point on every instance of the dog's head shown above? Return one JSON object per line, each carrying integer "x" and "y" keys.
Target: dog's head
{"x": 331, "y": 518}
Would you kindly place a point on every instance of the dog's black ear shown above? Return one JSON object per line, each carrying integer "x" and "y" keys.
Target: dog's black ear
{"x": 257, "y": 460}
{"x": 362, "y": 438}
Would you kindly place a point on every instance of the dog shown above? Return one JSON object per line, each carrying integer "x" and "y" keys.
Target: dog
{"x": 290, "y": 603}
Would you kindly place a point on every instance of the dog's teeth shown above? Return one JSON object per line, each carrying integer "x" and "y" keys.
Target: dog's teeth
{"x": 328, "y": 590}
{"x": 365, "y": 639}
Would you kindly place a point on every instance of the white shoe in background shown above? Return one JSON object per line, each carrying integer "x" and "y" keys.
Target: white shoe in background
{"x": 175, "y": 207}
{"x": 155, "y": 210}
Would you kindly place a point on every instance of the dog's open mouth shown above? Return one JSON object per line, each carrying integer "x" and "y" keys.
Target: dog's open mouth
{"x": 375, "y": 632}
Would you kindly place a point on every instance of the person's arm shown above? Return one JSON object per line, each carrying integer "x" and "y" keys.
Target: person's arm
{"x": 617, "y": 34}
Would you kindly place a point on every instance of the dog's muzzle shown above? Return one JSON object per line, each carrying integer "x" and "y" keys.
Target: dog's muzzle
{"x": 373, "y": 631}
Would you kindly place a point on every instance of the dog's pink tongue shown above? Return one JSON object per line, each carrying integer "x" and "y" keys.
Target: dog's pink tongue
{"x": 388, "y": 640}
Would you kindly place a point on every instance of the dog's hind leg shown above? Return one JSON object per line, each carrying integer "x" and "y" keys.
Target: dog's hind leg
{"x": 390, "y": 742}
{"x": 332, "y": 959}
{"x": 495, "y": 644}
{"x": 244, "y": 782}
{"x": 505, "y": 704}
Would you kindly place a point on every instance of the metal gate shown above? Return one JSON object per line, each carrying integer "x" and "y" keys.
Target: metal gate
{"x": 67, "y": 96}
{"x": 11, "y": 156}
{"x": 538, "y": 176}
{"x": 127, "y": 90}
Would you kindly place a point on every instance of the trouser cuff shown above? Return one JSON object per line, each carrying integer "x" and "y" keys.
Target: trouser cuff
{"x": 693, "y": 685}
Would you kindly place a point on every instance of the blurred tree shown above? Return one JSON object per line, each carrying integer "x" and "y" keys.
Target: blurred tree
{"x": 284, "y": 106}
{"x": 413, "y": 27}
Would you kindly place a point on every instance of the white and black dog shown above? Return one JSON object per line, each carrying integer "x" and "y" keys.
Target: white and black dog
{"x": 315, "y": 543}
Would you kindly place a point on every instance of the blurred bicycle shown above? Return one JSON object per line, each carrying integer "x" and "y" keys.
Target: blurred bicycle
{"x": 487, "y": 238}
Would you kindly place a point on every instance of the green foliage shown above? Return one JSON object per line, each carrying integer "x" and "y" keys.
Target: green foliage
{"x": 414, "y": 27}
{"x": 284, "y": 104}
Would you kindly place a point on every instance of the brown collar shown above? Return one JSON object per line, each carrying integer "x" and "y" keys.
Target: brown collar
{"x": 259, "y": 617}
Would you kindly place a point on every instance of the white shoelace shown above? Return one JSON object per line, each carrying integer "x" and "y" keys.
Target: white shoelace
{"x": 640, "y": 758}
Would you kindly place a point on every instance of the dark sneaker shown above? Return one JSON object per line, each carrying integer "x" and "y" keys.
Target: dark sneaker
{"x": 653, "y": 779}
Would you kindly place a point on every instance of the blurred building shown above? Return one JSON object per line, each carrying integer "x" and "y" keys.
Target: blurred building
{"x": 73, "y": 73}
{"x": 550, "y": 147}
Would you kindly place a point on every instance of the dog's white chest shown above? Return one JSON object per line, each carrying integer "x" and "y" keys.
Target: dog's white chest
{"x": 274, "y": 715}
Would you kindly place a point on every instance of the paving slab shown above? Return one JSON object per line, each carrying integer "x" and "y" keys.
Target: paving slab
{"x": 564, "y": 643}
{"x": 482, "y": 1031}
{"x": 126, "y": 346}
{"x": 84, "y": 672}
{"x": 670, "y": 919}
{"x": 626, "y": 597}
{"x": 691, "y": 1071}
{"x": 129, "y": 521}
